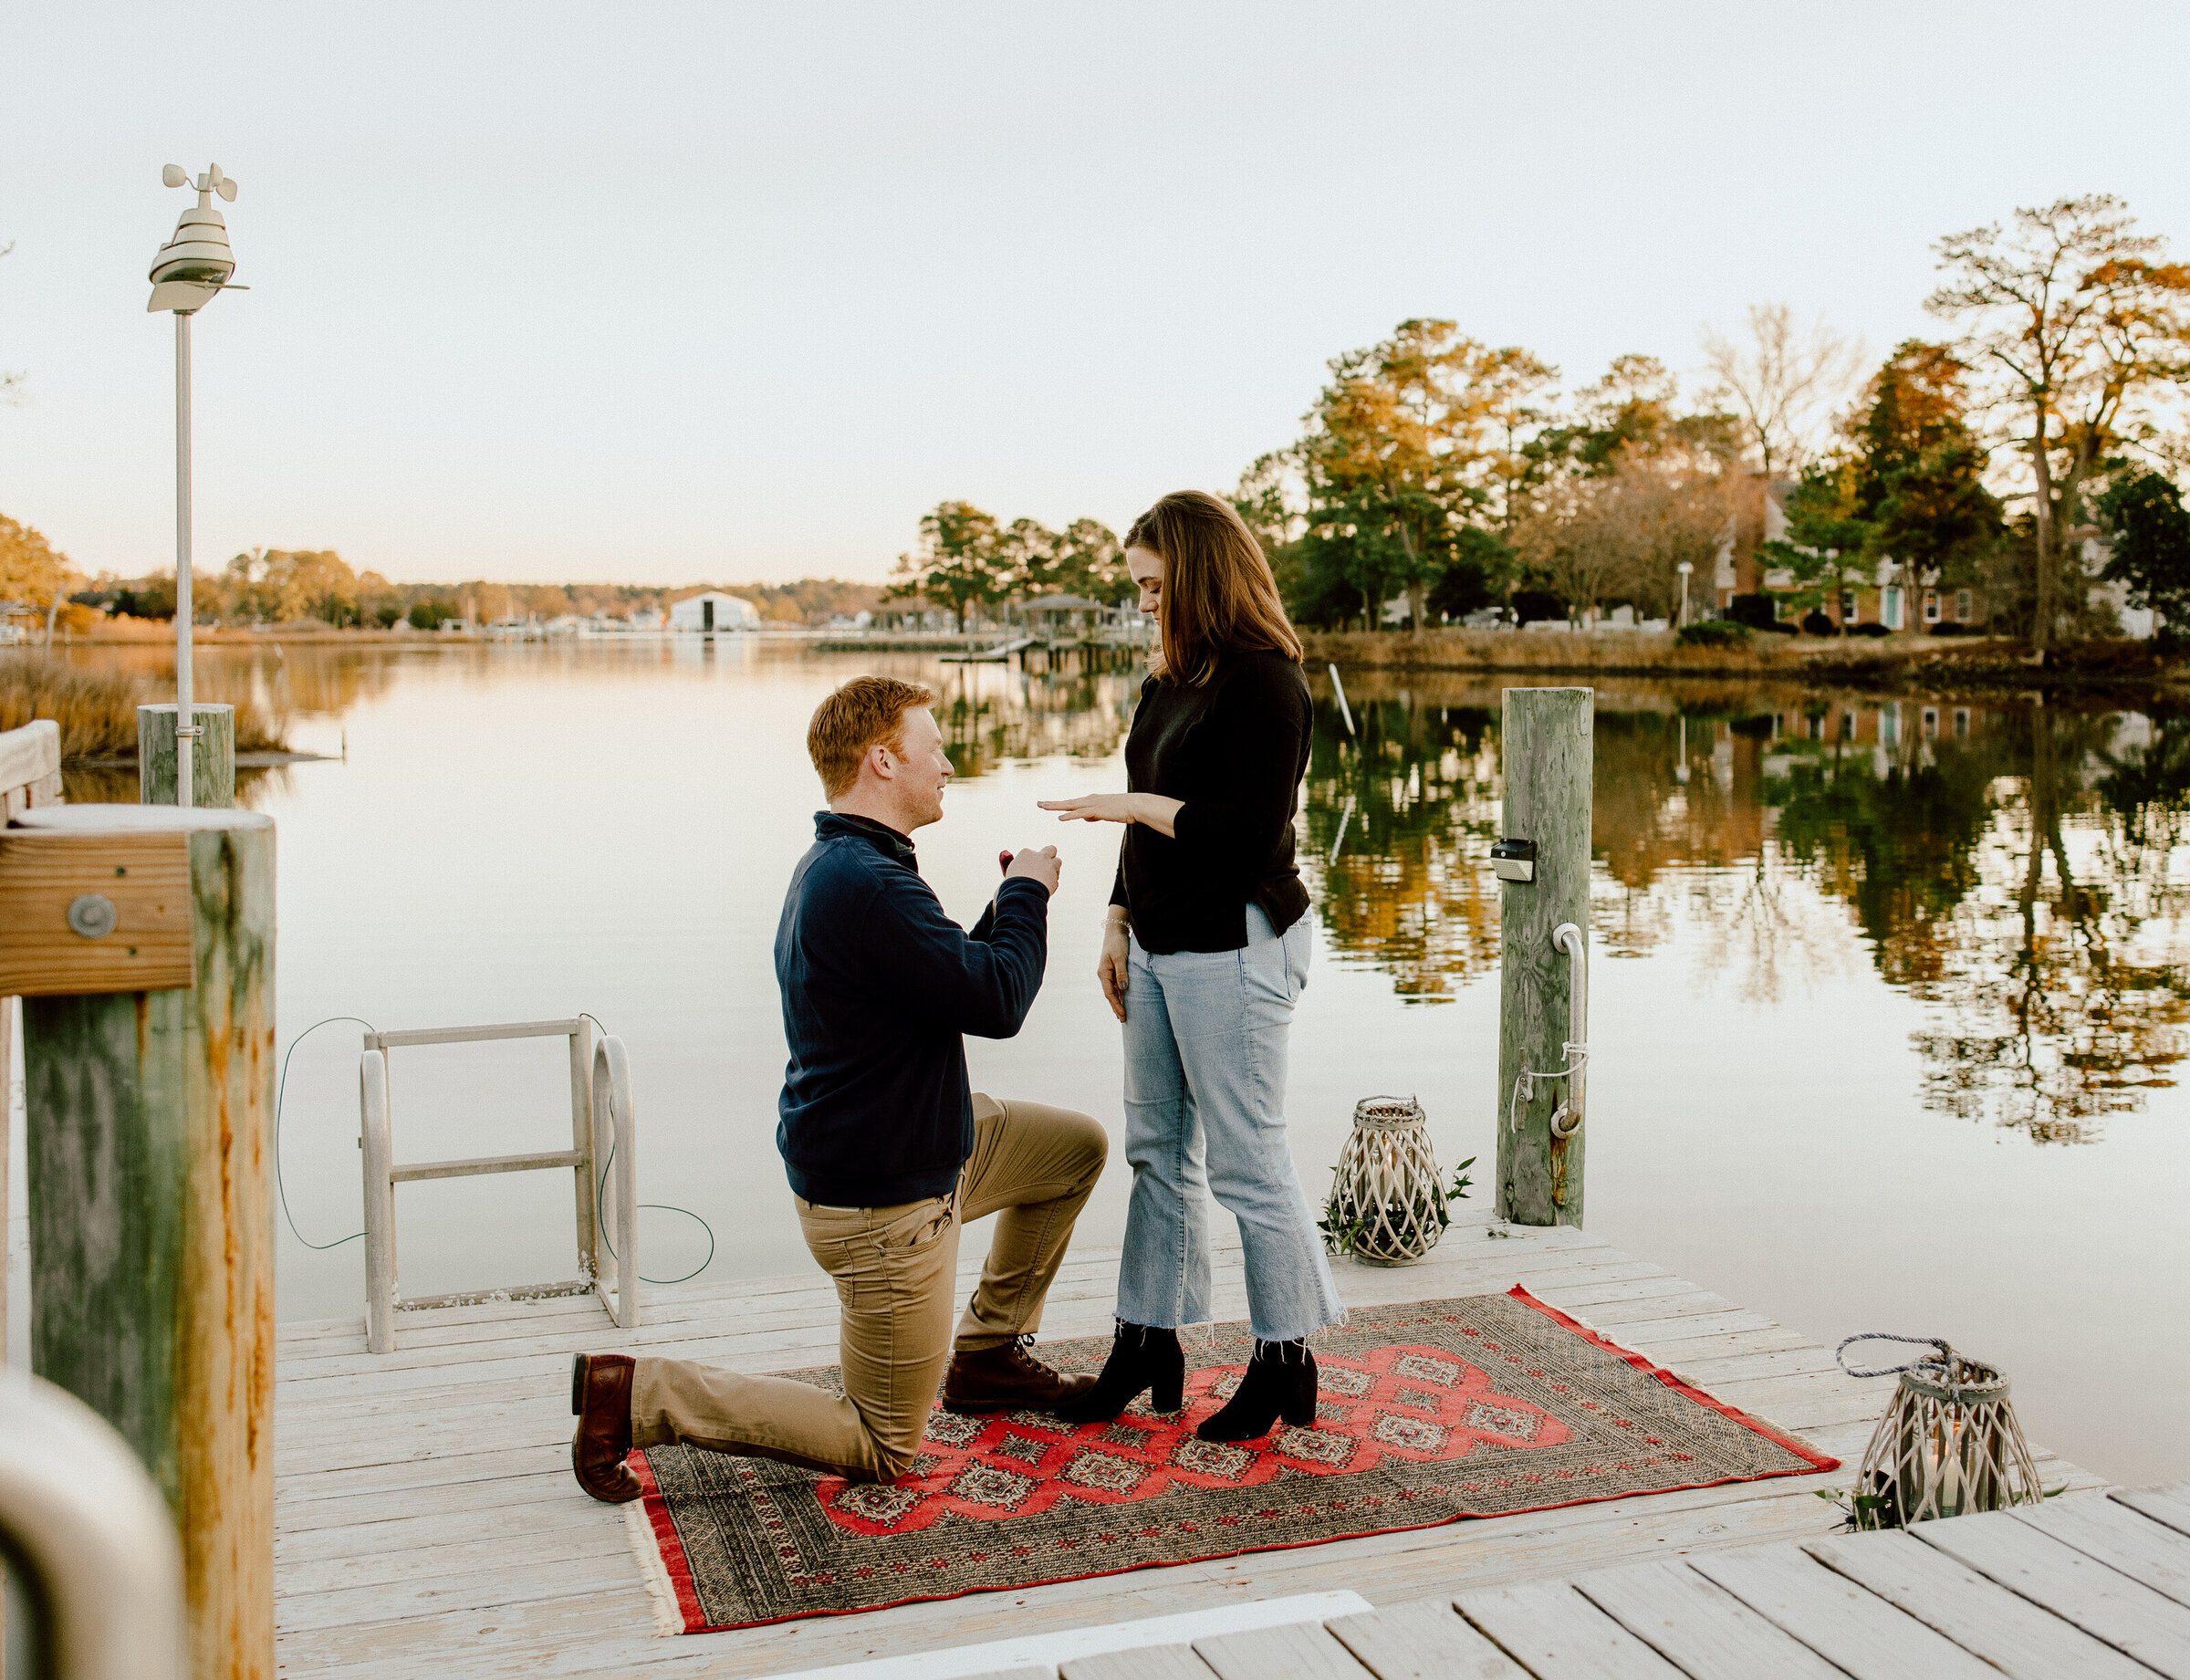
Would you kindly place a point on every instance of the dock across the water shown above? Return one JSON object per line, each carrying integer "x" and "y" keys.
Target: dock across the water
{"x": 428, "y": 1524}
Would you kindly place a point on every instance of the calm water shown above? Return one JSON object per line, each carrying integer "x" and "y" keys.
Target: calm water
{"x": 1889, "y": 996}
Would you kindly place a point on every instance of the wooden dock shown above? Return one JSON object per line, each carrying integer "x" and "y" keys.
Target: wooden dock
{"x": 427, "y": 1523}
{"x": 2092, "y": 1585}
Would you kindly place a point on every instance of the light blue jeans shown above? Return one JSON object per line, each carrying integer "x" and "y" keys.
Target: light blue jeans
{"x": 1204, "y": 1114}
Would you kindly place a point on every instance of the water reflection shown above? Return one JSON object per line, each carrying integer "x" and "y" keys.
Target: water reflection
{"x": 283, "y": 686}
{"x": 992, "y": 713}
{"x": 1399, "y": 816}
{"x": 2013, "y": 866}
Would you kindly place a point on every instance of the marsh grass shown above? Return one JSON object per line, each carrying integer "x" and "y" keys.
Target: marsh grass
{"x": 97, "y": 710}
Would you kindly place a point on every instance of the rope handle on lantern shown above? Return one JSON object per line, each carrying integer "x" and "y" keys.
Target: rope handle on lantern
{"x": 1945, "y": 1358}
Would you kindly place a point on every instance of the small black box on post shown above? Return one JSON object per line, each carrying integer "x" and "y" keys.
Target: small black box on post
{"x": 1514, "y": 859}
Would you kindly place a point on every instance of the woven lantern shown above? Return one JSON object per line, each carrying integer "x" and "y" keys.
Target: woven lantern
{"x": 1948, "y": 1445}
{"x": 1387, "y": 1198}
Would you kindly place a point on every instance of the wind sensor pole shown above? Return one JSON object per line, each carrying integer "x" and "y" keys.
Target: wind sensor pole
{"x": 190, "y": 268}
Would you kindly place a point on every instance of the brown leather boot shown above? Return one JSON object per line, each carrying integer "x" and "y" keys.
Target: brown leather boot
{"x": 1006, "y": 1376}
{"x": 600, "y": 1397}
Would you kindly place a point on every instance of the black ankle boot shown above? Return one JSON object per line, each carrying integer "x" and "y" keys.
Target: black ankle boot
{"x": 1279, "y": 1381}
{"x": 1142, "y": 1357}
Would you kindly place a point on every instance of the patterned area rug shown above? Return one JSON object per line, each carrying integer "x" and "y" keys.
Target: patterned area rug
{"x": 1429, "y": 1412}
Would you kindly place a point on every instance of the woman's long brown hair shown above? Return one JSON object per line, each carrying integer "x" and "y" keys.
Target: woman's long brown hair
{"x": 1219, "y": 595}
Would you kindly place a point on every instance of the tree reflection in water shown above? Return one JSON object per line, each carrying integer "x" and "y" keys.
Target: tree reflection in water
{"x": 1399, "y": 823}
{"x": 992, "y": 713}
{"x": 2012, "y": 866}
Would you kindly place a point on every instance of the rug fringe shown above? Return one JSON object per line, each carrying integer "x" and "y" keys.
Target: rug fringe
{"x": 639, "y": 1528}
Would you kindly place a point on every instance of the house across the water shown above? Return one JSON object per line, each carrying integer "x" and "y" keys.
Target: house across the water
{"x": 713, "y": 610}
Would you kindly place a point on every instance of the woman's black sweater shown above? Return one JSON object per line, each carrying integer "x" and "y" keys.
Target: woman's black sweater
{"x": 1234, "y": 748}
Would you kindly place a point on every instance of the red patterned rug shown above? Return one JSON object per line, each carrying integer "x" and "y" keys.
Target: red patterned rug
{"x": 1429, "y": 1412}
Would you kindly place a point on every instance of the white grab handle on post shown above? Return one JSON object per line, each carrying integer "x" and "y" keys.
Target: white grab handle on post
{"x": 98, "y": 1546}
{"x": 615, "y": 1126}
{"x": 1571, "y": 939}
{"x": 380, "y": 1202}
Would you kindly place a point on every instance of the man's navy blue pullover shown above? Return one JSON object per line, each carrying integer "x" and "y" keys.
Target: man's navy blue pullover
{"x": 878, "y": 986}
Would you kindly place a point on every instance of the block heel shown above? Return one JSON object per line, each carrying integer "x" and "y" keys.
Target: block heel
{"x": 1145, "y": 1359}
{"x": 1279, "y": 1383}
{"x": 1168, "y": 1393}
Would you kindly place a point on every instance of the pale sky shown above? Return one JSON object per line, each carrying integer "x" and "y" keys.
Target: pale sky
{"x": 671, "y": 292}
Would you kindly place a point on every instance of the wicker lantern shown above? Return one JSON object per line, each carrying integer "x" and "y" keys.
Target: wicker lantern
{"x": 1948, "y": 1445}
{"x": 1387, "y": 1198}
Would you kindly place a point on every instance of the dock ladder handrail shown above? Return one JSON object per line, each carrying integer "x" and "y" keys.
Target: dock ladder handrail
{"x": 603, "y": 1126}
{"x": 97, "y": 1549}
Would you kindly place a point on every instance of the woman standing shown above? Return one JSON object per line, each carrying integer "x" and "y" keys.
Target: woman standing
{"x": 1204, "y": 956}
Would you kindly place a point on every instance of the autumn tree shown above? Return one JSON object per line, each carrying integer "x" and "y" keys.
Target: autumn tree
{"x": 1414, "y": 438}
{"x": 1569, "y": 541}
{"x": 2077, "y": 331}
{"x": 1633, "y": 411}
{"x": 956, "y": 566}
{"x": 1906, "y": 484}
{"x": 1623, "y": 490}
{"x": 283, "y": 586}
{"x": 1624, "y": 534}
{"x": 31, "y": 568}
{"x": 1782, "y": 381}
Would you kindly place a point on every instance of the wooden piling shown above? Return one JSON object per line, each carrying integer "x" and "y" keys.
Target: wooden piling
{"x": 151, "y": 1186}
{"x": 1546, "y": 751}
{"x": 212, "y": 765}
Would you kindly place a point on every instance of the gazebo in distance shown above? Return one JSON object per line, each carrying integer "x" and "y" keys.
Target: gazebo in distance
{"x": 1053, "y": 615}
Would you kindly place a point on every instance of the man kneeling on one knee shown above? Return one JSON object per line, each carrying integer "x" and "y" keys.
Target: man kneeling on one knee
{"x": 887, "y": 1149}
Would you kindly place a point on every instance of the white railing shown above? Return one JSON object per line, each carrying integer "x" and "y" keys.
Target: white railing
{"x": 93, "y": 1541}
{"x": 30, "y": 767}
{"x": 603, "y": 1122}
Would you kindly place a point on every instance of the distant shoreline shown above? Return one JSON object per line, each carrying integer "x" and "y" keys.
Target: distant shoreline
{"x": 1971, "y": 661}
{"x": 1855, "y": 663}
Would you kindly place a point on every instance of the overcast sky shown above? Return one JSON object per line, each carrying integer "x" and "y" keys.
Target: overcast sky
{"x": 664, "y": 293}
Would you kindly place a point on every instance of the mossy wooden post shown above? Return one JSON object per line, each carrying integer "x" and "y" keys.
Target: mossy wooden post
{"x": 213, "y": 763}
{"x": 151, "y": 1170}
{"x": 1546, "y": 751}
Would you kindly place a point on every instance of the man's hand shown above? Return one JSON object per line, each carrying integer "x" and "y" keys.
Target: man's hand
{"x": 1044, "y": 866}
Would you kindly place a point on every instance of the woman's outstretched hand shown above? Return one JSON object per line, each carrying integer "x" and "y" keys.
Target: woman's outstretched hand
{"x": 1149, "y": 810}
{"x": 1109, "y": 968}
{"x": 1091, "y": 807}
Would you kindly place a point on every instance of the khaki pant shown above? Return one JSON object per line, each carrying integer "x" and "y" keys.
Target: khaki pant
{"x": 895, "y": 1269}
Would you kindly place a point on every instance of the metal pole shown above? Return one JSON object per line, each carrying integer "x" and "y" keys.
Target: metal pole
{"x": 186, "y": 717}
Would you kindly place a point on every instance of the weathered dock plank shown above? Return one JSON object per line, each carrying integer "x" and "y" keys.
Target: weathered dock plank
{"x": 2105, "y": 1603}
{"x": 1697, "y": 1626}
{"x": 2120, "y": 1538}
{"x": 1557, "y": 1635}
{"x": 1426, "y": 1640}
{"x": 2018, "y": 1638}
{"x": 1850, "y": 1626}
